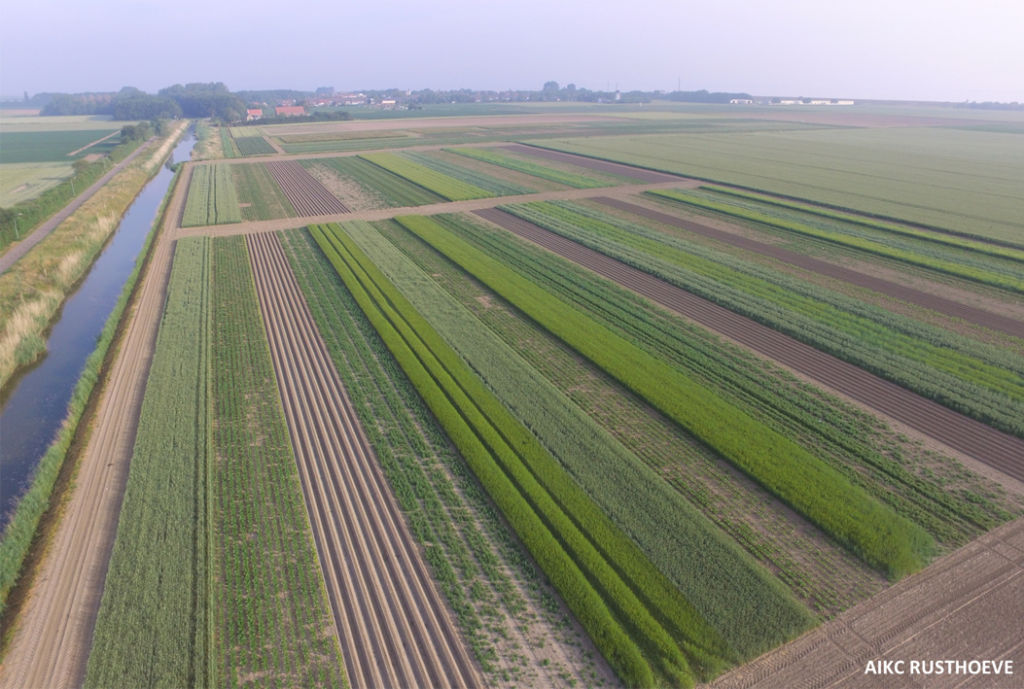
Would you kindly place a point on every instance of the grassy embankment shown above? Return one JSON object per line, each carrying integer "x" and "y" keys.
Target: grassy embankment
{"x": 36, "y": 286}
{"x": 21, "y": 530}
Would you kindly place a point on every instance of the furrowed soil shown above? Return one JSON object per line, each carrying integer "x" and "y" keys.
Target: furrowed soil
{"x": 395, "y": 629}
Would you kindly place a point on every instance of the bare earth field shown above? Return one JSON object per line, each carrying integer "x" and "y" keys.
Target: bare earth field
{"x": 967, "y": 606}
{"x": 394, "y": 628}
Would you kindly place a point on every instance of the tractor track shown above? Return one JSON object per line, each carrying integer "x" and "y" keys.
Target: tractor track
{"x": 998, "y": 450}
{"x": 303, "y": 190}
{"x": 394, "y": 628}
{"x": 934, "y": 302}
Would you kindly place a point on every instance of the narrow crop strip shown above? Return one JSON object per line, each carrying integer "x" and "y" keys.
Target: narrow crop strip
{"x": 866, "y": 221}
{"x": 432, "y": 180}
{"x": 948, "y": 267}
{"x": 543, "y": 491}
{"x": 873, "y": 531}
{"x": 569, "y": 179}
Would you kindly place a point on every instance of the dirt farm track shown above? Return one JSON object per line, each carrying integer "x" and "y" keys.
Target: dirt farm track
{"x": 394, "y": 628}
{"x": 967, "y": 606}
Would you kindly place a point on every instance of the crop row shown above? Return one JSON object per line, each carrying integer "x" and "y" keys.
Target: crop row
{"x": 228, "y": 143}
{"x": 254, "y": 146}
{"x": 977, "y": 379}
{"x": 493, "y": 185}
{"x": 851, "y": 441}
{"x": 152, "y": 626}
{"x": 867, "y": 221}
{"x": 825, "y": 497}
{"x": 820, "y": 572}
{"x": 579, "y": 550}
{"x": 696, "y": 558}
{"x": 259, "y": 196}
{"x": 979, "y": 275}
{"x": 269, "y": 602}
{"x": 439, "y": 183}
{"x": 569, "y": 179}
{"x": 394, "y": 190}
{"x": 211, "y": 197}
{"x": 466, "y": 554}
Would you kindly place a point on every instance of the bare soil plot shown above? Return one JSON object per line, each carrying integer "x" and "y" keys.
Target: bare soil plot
{"x": 395, "y": 629}
{"x": 306, "y": 194}
{"x": 967, "y": 606}
{"x": 930, "y": 301}
{"x": 987, "y": 445}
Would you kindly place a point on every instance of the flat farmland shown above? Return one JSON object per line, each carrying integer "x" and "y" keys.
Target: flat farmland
{"x": 975, "y": 439}
{"x": 394, "y": 628}
{"x": 307, "y": 196}
{"x": 50, "y": 146}
{"x": 25, "y": 181}
{"x": 957, "y": 180}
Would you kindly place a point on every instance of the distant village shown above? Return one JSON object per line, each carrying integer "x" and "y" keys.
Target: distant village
{"x": 790, "y": 101}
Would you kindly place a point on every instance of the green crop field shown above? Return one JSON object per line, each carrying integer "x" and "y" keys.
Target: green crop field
{"x": 576, "y": 180}
{"x": 480, "y": 569}
{"x": 153, "y": 624}
{"x": 430, "y": 179}
{"x": 958, "y": 261}
{"x": 25, "y": 181}
{"x": 211, "y": 197}
{"x": 584, "y": 555}
{"x": 260, "y": 197}
{"x": 392, "y": 190}
{"x": 977, "y": 379}
{"x": 268, "y": 600}
{"x": 962, "y": 181}
{"x": 488, "y": 183}
{"x": 228, "y": 143}
{"x": 884, "y": 539}
{"x": 254, "y": 146}
{"x": 52, "y": 147}
{"x": 918, "y": 485}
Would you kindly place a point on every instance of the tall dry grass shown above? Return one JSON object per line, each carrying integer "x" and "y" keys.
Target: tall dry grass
{"x": 33, "y": 289}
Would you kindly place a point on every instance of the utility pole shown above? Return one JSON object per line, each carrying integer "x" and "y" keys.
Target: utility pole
{"x": 17, "y": 234}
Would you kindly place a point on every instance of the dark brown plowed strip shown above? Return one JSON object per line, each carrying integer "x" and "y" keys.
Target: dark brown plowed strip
{"x": 908, "y": 294}
{"x": 307, "y": 195}
{"x": 592, "y": 164}
{"x": 394, "y": 628}
{"x": 989, "y": 446}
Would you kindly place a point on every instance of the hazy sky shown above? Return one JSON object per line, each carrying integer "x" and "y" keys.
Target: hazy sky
{"x": 899, "y": 49}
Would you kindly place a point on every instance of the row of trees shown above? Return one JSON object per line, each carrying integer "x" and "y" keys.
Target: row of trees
{"x": 191, "y": 100}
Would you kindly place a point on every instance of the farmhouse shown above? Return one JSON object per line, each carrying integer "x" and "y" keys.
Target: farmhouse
{"x": 289, "y": 110}
{"x": 251, "y": 115}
